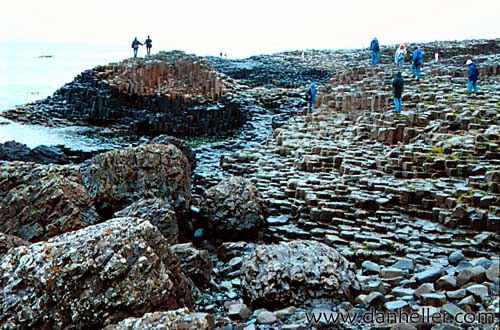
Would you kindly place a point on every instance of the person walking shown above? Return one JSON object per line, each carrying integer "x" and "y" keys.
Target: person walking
{"x": 472, "y": 76}
{"x": 149, "y": 44}
{"x": 135, "y": 45}
{"x": 399, "y": 56}
{"x": 375, "y": 49}
{"x": 311, "y": 97}
{"x": 397, "y": 91}
{"x": 418, "y": 60}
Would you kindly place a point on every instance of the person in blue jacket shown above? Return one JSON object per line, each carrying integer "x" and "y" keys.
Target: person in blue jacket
{"x": 472, "y": 76}
{"x": 311, "y": 97}
{"x": 149, "y": 44}
{"x": 375, "y": 48}
{"x": 397, "y": 91}
{"x": 418, "y": 60}
{"x": 135, "y": 46}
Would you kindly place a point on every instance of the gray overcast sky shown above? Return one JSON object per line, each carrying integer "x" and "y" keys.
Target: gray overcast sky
{"x": 247, "y": 27}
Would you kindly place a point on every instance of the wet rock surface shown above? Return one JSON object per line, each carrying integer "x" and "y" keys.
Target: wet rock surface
{"x": 12, "y": 150}
{"x": 88, "y": 278}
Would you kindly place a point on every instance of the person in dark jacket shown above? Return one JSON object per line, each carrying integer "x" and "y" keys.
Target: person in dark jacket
{"x": 397, "y": 91}
{"x": 418, "y": 60}
{"x": 135, "y": 45}
{"x": 375, "y": 49}
{"x": 149, "y": 44}
{"x": 311, "y": 97}
{"x": 472, "y": 76}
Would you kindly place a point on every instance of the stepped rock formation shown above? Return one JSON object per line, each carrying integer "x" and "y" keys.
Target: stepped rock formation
{"x": 91, "y": 277}
{"x": 118, "y": 178}
{"x": 172, "y": 93}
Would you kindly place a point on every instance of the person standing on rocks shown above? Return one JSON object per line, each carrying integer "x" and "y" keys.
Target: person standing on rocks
{"x": 375, "y": 48}
{"x": 135, "y": 45}
{"x": 472, "y": 76}
{"x": 149, "y": 44}
{"x": 399, "y": 56}
{"x": 397, "y": 91}
{"x": 311, "y": 97}
{"x": 418, "y": 60}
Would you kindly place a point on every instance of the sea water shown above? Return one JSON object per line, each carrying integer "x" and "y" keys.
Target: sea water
{"x": 33, "y": 71}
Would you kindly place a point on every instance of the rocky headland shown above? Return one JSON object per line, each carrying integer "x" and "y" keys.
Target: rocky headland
{"x": 279, "y": 218}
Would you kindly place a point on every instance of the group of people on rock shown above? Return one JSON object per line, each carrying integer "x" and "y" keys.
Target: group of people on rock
{"x": 136, "y": 43}
{"x": 415, "y": 68}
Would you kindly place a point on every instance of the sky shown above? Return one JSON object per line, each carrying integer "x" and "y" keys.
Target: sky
{"x": 241, "y": 28}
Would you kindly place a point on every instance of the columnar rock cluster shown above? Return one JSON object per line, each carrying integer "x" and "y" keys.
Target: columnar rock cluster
{"x": 172, "y": 93}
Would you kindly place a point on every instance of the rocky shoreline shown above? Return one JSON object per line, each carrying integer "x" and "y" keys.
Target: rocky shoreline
{"x": 292, "y": 220}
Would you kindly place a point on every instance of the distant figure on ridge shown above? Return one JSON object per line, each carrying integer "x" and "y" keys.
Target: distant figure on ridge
{"x": 397, "y": 91}
{"x": 418, "y": 60}
{"x": 399, "y": 56}
{"x": 135, "y": 45}
{"x": 472, "y": 76}
{"x": 375, "y": 48}
{"x": 311, "y": 97}
{"x": 149, "y": 44}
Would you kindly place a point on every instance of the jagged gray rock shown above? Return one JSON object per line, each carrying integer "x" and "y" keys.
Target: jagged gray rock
{"x": 175, "y": 320}
{"x": 88, "y": 278}
{"x": 158, "y": 212}
{"x": 118, "y": 178}
{"x": 289, "y": 273}
{"x": 195, "y": 263}
{"x": 41, "y": 201}
{"x": 234, "y": 206}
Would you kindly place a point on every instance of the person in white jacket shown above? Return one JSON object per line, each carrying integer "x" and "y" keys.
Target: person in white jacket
{"x": 399, "y": 56}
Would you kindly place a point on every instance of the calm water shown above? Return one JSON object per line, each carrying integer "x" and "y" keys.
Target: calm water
{"x": 28, "y": 74}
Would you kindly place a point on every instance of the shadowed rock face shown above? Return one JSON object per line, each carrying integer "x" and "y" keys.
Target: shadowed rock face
{"x": 91, "y": 277}
{"x": 158, "y": 212}
{"x": 288, "y": 274}
{"x": 40, "y": 201}
{"x": 8, "y": 241}
{"x": 118, "y": 178}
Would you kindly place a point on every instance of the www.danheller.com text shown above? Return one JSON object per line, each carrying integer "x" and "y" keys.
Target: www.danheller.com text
{"x": 425, "y": 316}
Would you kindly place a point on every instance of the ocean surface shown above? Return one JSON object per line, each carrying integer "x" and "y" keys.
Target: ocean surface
{"x": 30, "y": 72}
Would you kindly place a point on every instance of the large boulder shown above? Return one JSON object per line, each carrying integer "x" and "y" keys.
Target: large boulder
{"x": 118, "y": 178}
{"x": 290, "y": 273}
{"x": 38, "y": 202}
{"x": 158, "y": 212}
{"x": 196, "y": 263}
{"x": 91, "y": 277}
{"x": 178, "y": 319}
{"x": 234, "y": 208}
{"x": 179, "y": 143}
